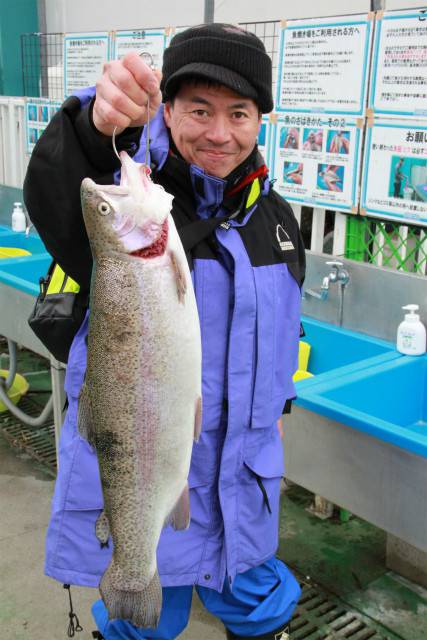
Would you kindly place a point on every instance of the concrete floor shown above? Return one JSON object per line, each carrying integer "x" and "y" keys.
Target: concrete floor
{"x": 32, "y": 606}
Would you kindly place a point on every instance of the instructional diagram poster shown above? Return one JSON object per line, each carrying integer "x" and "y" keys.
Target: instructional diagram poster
{"x": 399, "y": 72}
{"x": 323, "y": 65}
{"x": 317, "y": 159}
{"x": 152, "y": 41}
{"x": 38, "y": 113}
{"x": 84, "y": 56}
{"x": 264, "y": 139}
{"x": 394, "y": 183}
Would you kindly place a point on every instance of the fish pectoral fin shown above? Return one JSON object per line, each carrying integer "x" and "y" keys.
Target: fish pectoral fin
{"x": 102, "y": 529}
{"x": 181, "y": 283}
{"x": 179, "y": 518}
{"x": 84, "y": 416}
{"x": 198, "y": 419}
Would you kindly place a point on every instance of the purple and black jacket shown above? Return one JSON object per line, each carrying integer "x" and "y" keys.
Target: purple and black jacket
{"x": 247, "y": 277}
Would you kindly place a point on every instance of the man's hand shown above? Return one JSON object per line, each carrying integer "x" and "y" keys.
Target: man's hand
{"x": 122, "y": 94}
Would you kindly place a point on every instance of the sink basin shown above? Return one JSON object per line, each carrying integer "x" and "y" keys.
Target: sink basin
{"x": 387, "y": 400}
{"x": 335, "y": 348}
{"x": 32, "y": 243}
{"x": 24, "y": 273}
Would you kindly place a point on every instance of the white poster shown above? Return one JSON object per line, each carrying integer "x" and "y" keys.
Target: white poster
{"x": 323, "y": 65}
{"x": 317, "y": 159}
{"x": 84, "y": 57}
{"x": 399, "y": 72}
{"x": 38, "y": 113}
{"x": 394, "y": 181}
{"x": 152, "y": 41}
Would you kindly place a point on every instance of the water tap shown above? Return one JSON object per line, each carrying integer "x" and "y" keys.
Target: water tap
{"x": 337, "y": 274}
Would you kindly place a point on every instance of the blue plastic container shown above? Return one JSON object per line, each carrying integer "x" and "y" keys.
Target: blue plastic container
{"x": 23, "y": 272}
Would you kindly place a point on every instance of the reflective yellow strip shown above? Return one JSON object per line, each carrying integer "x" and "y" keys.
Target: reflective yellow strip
{"x": 56, "y": 281}
{"x": 61, "y": 283}
{"x": 254, "y": 193}
{"x": 71, "y": 286}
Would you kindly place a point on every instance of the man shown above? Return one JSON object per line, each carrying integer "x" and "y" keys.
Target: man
{"x": 399, "y": 177}
{"x": 247, "y": 275}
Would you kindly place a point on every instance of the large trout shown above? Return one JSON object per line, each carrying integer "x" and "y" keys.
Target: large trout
{"x": 140, "y": 405}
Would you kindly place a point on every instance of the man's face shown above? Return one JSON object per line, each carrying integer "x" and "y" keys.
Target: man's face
{"x": 213, "y": 127}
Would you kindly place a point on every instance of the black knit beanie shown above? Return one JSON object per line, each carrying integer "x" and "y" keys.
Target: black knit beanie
{"x": 221, "y": 53}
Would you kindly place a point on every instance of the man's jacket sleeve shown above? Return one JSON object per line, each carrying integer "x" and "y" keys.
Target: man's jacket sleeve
{"x": 69, "y": 150}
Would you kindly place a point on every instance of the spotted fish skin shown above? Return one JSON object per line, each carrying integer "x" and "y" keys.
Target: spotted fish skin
{"x": 140, "y": 402}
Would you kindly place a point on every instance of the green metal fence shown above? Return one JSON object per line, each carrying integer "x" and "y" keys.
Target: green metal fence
{"x": 387, "y": 244}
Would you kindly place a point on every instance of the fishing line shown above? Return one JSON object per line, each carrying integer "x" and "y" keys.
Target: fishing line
{"x": 148, "y": 59}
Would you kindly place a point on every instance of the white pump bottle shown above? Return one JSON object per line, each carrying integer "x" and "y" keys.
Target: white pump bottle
{"x": 19, "y": 221}
{"x": 411, "y": 333}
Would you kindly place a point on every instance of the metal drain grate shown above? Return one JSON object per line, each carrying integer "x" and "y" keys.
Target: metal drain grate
{"x": 38, "y": 443}
{"x": 320, "y": 617}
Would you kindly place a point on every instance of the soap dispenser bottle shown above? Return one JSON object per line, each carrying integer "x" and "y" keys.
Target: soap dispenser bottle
{"x": 411, "y": 333}
{"x": 19, "y": 221}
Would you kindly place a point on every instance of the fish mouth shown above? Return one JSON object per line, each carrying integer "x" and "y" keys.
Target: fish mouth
{"x": 88, "y": 186}
{"x": 156, "y": 248}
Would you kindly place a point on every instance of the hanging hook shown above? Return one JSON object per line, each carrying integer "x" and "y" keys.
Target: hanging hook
{"x": 148, "y": 59}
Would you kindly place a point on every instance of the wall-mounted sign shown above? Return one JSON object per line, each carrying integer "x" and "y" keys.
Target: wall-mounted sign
{"x": 264, "y": 140}
{"x": 38, "y": 113}
{"x": 152, "y": 41}
{"x": 394, "y": 183}
{"x": 317, "y": 159}
{"x": 84, "y": 57}
{"x": 399, "y": 70}
{"x": 323, "y": 65}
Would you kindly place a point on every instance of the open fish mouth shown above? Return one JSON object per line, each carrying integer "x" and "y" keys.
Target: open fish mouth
{"x": 132, "y": 216}
{"x": 157, "y": 248}
{"x": 144, "y": 241}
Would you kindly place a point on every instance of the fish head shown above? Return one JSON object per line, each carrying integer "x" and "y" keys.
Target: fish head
{"x": 128, "y": 217}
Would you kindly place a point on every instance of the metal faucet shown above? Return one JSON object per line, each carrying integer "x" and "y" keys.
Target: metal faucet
{"x": 337, "y": 274}
{"x": 320, "y": 294}
{"x": 28, "y": 225}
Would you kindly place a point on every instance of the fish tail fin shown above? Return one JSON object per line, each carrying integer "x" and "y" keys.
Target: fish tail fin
{"x": 141, "y": 607}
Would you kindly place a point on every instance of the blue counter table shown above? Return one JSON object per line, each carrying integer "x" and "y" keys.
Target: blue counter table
{"x": 357, "y": 434}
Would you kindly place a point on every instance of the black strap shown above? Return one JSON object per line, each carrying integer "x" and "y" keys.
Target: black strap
{"x": 193, "y": 233}
{"x": 264, "y": 492}
{"x": 288, "y": 405}
{"x": 74, "y": 624}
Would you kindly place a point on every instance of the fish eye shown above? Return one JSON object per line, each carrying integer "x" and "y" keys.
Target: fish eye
{"x": 104, "y": 208}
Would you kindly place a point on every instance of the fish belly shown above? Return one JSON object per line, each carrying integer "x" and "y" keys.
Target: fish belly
{"x": 143, "y": 382}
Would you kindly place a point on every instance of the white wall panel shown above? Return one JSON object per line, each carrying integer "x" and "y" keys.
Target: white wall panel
{"x": 88, "y": 15}
{"x": 92, "y": 15}
{"x": 244, "y": 11}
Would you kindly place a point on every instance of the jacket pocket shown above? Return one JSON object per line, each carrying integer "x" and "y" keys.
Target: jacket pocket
{"x": 84, "y": 492}
{"x": 78, "y": 484}
{"x": 278, "y": 322}
{"x": 77, "y": 555}
{"x": 259, "y": 497}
